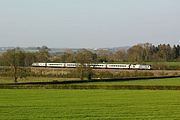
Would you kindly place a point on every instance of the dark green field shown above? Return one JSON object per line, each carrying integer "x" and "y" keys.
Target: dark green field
{"x": 152, "y": 82}
{"x": 89, "y": 104}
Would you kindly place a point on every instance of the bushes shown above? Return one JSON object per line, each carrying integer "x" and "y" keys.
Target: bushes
{"x": 103, "y": 74}
{"x": 22, "y": 72}
{"x": 5, "y": 72}
{"x": 135, "y": 73}
{"x": 121, "y": 74}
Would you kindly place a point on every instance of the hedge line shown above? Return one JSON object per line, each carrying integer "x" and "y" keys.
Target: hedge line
{"x": 71, "y": 86}
{"x": 93, "y": 80}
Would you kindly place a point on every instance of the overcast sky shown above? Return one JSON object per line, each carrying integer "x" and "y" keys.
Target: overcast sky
{"x": 88, "y": 23}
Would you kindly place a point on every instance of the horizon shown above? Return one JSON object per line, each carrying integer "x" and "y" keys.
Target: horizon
{"x": 88, "y": 47}
{"x": 125, "y": 47}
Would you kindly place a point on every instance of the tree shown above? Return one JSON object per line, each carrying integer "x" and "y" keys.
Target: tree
{"x": 29, "y": 58}
{"x": 15, "y": 59}
{"x": 43, "y": 54}
{"x": 119, "y": 56}
{"x": 136, "y": 53}
{"x": 85, "y": 58}
{"x": 103, "y": 55}
{"x": 67, "y": 57}
{"x": 165, "y": 52}
{"x": 176, "y": 52}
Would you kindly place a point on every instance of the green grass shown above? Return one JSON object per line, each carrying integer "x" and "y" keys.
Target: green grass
{"x": 164, "y": 63}
{"x": 89, "y": 104}
{"x": 167, "y": 65}
{"x": 171, "y": 63}
{"x": 165, "y": 81}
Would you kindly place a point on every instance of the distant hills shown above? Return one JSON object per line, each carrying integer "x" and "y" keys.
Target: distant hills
{"x": 62, "y": 50}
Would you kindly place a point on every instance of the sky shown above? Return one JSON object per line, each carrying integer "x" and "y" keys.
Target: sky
{"x": 88, "y": 23}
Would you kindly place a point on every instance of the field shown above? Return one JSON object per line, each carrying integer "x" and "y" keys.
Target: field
{"x": 152, "y": 82}
{"x": 165, "y": 65}
{"x": 89, "y": 104}
{"x": 48, "y": 104}
{"x": 164, "y": 81}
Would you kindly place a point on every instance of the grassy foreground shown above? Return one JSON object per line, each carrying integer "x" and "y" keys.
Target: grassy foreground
{"x": 89, "y": 104}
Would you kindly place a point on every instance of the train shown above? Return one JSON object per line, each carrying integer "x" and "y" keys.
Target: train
{"x": 95, "y": 66}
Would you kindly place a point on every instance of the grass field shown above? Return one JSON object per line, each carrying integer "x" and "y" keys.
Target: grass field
{"x": 89, "y": 104}
{"x": 164, "y": 81}
{"x": 167, "y": 65}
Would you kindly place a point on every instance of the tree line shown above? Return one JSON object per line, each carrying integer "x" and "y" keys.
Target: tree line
{"x": 19, "y": 60}
{"x": 138, "y": 53}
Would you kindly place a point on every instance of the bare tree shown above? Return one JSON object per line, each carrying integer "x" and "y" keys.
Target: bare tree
{"x": 15, "y": 59}
{"x": 85, "y": 58}
{"x": 135, "y": 53}
{"x": 103, "y": 55}
{"x": 120, "y": 55}
{"x": 67, "y": 57}
{"x": 43, "y": 54}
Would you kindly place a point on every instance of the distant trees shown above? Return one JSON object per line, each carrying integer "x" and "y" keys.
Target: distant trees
{"x": 148, "y": 52}
{"x": 18, "y": 59}
{"x": 137, "y": 54}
